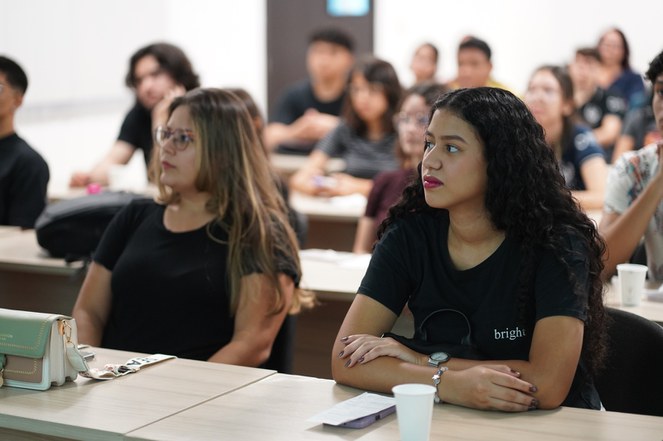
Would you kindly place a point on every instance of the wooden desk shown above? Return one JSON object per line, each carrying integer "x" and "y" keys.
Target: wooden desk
{"x": 333, "y": 275}
{"x": 332, "y": 222}
{"x": 8, "y": 230}
{"x": 647, "y": 308}
{"x": 287, "y": 165}
{"x": 106, "y": 410}
{"x": 31, "y": 280}
{"x": 277, "y": 407}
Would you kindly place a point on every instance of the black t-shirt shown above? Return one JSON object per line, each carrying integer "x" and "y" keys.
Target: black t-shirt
{"x": 137, "y": 130}
{"x": 601, "y": 104}
{"x": 24, "y": 179}
{"x": 294, "y": 102}
{"x": 170, "y": 292}
{"x": 411, "y": 264}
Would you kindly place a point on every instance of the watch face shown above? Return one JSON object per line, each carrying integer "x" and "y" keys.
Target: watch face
{"x": 439, "y": 357}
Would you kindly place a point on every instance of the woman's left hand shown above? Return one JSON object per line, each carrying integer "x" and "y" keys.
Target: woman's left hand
{"x": 362, "y": 348}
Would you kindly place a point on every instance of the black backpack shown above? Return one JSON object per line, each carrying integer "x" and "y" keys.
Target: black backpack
{"x": 71, "y": 229}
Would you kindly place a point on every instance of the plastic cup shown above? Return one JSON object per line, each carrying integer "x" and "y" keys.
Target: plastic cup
{"x": 414, "y": 410}
{"x": 631, "y": 282}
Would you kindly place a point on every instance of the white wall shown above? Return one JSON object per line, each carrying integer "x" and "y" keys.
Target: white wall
{"x": 76, "y": 51}
{"x": 76, "y": 55}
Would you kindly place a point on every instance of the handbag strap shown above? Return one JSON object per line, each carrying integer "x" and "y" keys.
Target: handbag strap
{"x": 111, "y": 371}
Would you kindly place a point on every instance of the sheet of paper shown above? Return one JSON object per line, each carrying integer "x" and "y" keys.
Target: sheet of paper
{"x": 357, "y": 407}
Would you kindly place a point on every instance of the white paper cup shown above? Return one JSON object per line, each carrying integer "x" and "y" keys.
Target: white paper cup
{"x": 414, "y": 409}
{"x": 631, "y": 282}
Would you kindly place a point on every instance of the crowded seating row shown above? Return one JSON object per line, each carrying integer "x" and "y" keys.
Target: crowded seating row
{"x": 476, "y": 221}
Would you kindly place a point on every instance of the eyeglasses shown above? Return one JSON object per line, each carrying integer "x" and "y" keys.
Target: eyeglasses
{"x": 181, "y": 137}
{"x": 403, "y": 118}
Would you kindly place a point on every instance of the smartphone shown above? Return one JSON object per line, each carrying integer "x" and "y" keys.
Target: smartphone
{"x": 367, "y": 420}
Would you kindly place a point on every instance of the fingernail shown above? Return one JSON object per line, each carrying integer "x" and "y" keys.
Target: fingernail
{"x": 344, "y": 338}
{"x": 347, "y": 363}
{"x": 361, "y": 360}
{"x": 340, "y": 354}
{"x": 533, "y": 389}
{"x": 534, "y": 404}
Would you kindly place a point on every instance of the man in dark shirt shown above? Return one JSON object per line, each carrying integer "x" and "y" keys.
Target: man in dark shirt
{"x": 23, "y": 172}
{"x": 309, "y": 109}
{"x": 157, "y": 73}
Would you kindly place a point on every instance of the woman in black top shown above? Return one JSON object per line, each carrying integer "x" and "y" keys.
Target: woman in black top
{"x": 497, "y": 263}
{"x": 210, "y": 269}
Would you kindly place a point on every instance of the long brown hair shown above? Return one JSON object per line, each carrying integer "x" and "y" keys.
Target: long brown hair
{"x": 233, "y": 169}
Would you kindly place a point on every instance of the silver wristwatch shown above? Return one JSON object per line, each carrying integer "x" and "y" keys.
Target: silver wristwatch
{"x": 437, "y": 358}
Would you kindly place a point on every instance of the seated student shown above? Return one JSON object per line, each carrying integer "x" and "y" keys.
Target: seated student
{"x": 633, "y": 202}
{"x": 254, "y": 113}
{"x": 602, "y": 110}
{"x": 639, "y": 129}
{"x": 549, "y": 97}
{"x": 309, "y": 109}
{"x": 157, "y": 73}
{"x": 364, "y": 139}
{"x": 210, "y": 270}
{"x": 615, "y": 72}
{"x": 299, "y": 222}
{"x": 24, "y": 174}
{"x": 424, "y": 63}
{"x": 474, "y": 65}
{"x": 411, "y": 123}
{"x": 512, "y": 292}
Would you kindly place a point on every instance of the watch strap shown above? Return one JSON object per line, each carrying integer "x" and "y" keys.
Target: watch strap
{"x": 436, "y": 381}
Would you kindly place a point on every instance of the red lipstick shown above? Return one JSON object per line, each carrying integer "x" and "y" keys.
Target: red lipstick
{"x": 432, "y": 182}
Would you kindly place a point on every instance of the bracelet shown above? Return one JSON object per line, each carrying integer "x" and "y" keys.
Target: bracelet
{"x": 436, "y": 381}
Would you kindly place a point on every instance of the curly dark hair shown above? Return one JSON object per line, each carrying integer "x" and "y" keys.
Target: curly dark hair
{"x": 527, "y": 198}
{"x": 655, "y": 68}
{"x": 171, "y": 59}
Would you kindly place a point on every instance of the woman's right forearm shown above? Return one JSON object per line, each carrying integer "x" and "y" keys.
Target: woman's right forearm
{"x": 381, "y": 374}
{"x": 89, "y": 332}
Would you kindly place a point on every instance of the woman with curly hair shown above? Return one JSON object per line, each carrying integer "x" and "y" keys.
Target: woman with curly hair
{"x": 498, "y": 264}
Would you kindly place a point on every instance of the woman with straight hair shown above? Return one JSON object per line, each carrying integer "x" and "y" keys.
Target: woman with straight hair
{"x": 364, "y": 138}
{"x": 411, "y": 122}
{"x": 615, "y": 73}
{"x": 209, "y": 269}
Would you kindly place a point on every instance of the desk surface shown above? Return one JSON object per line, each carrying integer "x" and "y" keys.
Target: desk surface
{"x": 339, "y": 208}
{"x": 333, "y": 274}
{"x": 289, "y": 164}
{"x": 99, "y": 410}
{"x": 19, "y": 251}
{"x": 277, "y": 407}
